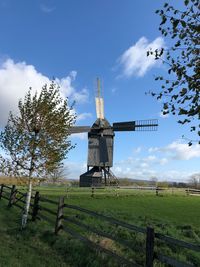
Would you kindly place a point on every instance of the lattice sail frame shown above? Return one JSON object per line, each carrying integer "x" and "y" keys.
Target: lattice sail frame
{"x": 146, "y": 125}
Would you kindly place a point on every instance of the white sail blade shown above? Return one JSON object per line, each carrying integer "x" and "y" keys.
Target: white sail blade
{"x": 99, "y": 107}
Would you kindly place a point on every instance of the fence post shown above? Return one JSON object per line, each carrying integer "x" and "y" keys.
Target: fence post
{"x": 12, "y": 196}
{"x": 187, "y": 191}
{"x": 157, "y": 191}
{"x": 149, "y": 247}
{"x": 59, "y": 218}
{"x": 92, "y": 195}
{"x": 1, "y": 191}
{"x": 35, "y": 206}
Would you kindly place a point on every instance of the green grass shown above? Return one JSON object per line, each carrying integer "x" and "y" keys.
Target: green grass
{"x": 176, "y": 215}
{"x": 24, "y": 248}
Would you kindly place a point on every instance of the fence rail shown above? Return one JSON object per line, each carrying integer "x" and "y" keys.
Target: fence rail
{"x": 107, "y": 218}
{"x": 190, "y": 191}
{"x": 59, "y": 221}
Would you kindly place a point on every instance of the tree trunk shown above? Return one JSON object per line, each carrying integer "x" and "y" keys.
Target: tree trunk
{"x": 27, "y": 205}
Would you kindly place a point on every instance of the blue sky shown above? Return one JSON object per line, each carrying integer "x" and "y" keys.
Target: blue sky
{"x": 76, "y": 41}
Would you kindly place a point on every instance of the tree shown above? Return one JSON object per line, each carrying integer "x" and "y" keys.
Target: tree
{"x": 59, "y": 174}
{"x": 163, "y": 184}
{"x": 154, "y": 181}
{"x": 36, "y": 139}
{"x": 194, "y": 180}
{"x": 181, "y": 85}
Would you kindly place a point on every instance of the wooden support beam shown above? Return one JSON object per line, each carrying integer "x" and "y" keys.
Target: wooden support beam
{"x": 59, "y": 219}
{"x": 1, "y": 190}
{"x": 150, "y": 247}
{"x": 35, "y": 206}
{"x": 12, "y": 197}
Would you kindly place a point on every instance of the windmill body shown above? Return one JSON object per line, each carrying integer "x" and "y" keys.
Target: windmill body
{"x": 101, "y": 144}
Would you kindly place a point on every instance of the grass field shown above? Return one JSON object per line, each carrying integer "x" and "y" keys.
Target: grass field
{"x": 172, "y": 213}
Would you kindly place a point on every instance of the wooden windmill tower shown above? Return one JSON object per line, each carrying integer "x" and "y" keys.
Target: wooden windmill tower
{"x": 100, "y": 144}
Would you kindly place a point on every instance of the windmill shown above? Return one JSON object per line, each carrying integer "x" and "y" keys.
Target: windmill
{"x": 100, "y": 144}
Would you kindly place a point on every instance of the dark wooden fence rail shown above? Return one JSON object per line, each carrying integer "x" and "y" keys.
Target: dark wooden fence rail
{"x": 190, "y": 191}
{"x": 14, "y": 196}
{"x": 59, "y": 219}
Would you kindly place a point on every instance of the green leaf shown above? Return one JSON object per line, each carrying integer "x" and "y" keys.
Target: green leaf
{"x": 165, "y": 106}
{"x": 175, "y": 23}
{"x": 186, "y": 2}
{"x": 183, "y": 23}
{"x": 164, "y": 19}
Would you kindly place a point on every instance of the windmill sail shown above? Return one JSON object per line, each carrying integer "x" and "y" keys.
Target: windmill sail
{"x": 141, "y": 125}
{"x": 99, "y": 102}
{"x": 79, "y": 129}
{"x": 99, "y": 107}
{"x": 146, "y": 125}
{"x": 124, "y": 126}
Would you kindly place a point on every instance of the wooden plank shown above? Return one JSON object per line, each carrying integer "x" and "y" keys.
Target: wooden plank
{"x": 18, "y": 206}
{"x": 35, "y": 206}
{"x": 59, "y": 218}
{"x": 43, "y": 199}
{"x": 48, "y": 210}
{"x": 12, "y": 196}
{"x": 171, "y": 240}
{"x": 107, "y": 218}
{"x": 150, "y": 247}
{"x": 20, "y": 200}
{"x": 100, "y": 233}
{"x": 95, "y": 246}
{"x": 23, "y": 194}
{"x": 1, "y": 190}
{"x": 45, "y": 218}
{"x": 9, "y": 187}
{"x": 5, "y": 197}
{"x": 194, "y": 190}
{"x": 171, "y": 261}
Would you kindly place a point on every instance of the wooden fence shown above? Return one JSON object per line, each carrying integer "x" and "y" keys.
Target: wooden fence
{"x": 59, "y": 220}
{"x": 190, "y": 191}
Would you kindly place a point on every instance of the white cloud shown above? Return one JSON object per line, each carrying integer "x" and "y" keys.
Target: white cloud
{"x": 46, "y": 9}
{"x": 75, "y": 169}
{"x": 144, "y": 165}
{"x": 114, "y": 90}
{"x": 82, "y": 96}
{"x": 134, "y": 60}
{"x": 163, "y": 161}
{"x": 137, "y": 150}
{"x": 179, "y": 151}
{"x": 82, "y": 136}
{"x": 83, "y": 116}
{"x": 145, "y": 172}
{"x": 16, "y": 78}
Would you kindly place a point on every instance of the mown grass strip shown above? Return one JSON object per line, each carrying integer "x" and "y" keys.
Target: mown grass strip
{"x": 97, "y": 247}
{"x": 100, "y": 233}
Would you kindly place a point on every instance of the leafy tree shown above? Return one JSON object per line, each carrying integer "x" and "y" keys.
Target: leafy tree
{"x": 153, "y": 181}
{"x": 181, "y": 85}
{"x": 36, "y": 139}
{"x": 194, "y": 180}
{"x": 59, "y": 174}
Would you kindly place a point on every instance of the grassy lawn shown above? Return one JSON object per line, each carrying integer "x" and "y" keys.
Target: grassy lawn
{"x": 24, "y": 248}
{"x": 176, "y": 215}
